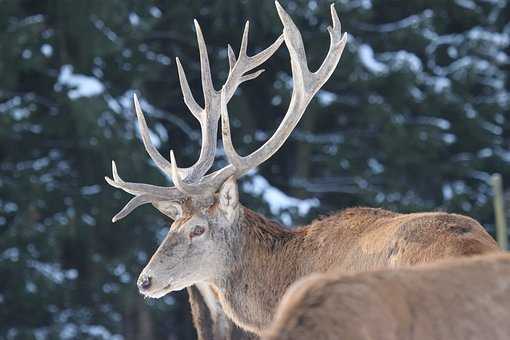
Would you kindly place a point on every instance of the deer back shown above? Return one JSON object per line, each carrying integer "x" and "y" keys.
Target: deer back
{"x": 453, "y": 299}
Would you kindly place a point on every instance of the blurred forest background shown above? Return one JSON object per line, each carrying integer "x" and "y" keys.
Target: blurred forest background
{"x": 416, "y": 117}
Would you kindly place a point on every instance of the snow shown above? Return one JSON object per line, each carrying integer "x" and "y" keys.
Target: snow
{"x": 375, "y": 166}
{"x": 449, "y": 138}
{"x": 34, "y": 19}
{"x": 366, "y": 55}
{"x": 52, "y": 271}
{"x": 69, "y": 331}
{"x": 467, "y": 4}
{"x": 501, "y": 40}
{"x": 20, "y": 113}
{"x": 410, "y": 21}
{"x": 134, "y": 19}
{"x": 402, "y": 58}
{"x": 81, "y": 85}
{"x": 155, "y": 12}
{"x": 10, "y": 207}
{"x": 366, "y": 4}
{"x": 441, "y": 83}
{"x": 11, "y": 254}
{"x": 90, "y": 190}
{"x": 100, "y": 25}
{"x": 492, "y": 128}
{"x": 318, "y": 138}
{"x": 502, "y": 153}
{"x": 326, "y": 98}
{"x": 440, "y": 123}
{"x": 113, "y": 104}
{"x": 120, "y": 271}
{"x": 276, "y": 199}
{"x": 26, "y": 54}
{"x": 158, "y": 57}
{"x": 447, "y": 192}
{"x": 88, "y": 219}
{"x": 30, "y": 287}
{"x": 47, "y": 50}
{"x": 10, "y": 104}
{"x": 99, "y": 331}
{"x": 484, "y": 153}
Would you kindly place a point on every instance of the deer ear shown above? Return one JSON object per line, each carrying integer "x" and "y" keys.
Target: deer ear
{"x": 229, "y": 198}
{"x": 170, "y": 209}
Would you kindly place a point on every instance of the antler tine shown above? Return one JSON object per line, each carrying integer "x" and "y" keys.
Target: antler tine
{"x": 209, "y": 115}
{"x": 189, "y": 100}
{"x": 207, "y": 118}
{"x": 336, "y": 48}
{"x": 144, "y": 193}
{"x": 312, "y": 81}
{"x": 133, "y": 203}
{"x": 154, "y": 154}
{"x": 179, "y": 183}
{"x": 232, "y": 156}
{"x": 293, "y": 40}
{"x": 206, "y": 115}
{"x": 245, "y": 63}
{"x": 305, "y": 85}
{"x": 141, "y": 188}
{"x": 207, "y": 85}
{"x": 244, "y": 40}
{"x": 231, "y": 57}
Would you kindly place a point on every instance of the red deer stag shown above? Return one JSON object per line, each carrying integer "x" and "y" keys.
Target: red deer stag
{"x": 245, "y": 261}
{"x": 453, "y": 299}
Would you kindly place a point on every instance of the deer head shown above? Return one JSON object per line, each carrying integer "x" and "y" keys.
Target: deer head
{"x": 205, "y": 208}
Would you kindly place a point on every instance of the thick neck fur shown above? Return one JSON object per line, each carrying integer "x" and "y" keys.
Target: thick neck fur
{"x": 266, "y": 258}
{"x": 260, "y": 272}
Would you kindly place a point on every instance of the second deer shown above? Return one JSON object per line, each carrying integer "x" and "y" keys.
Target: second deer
{"x": 454, "y": 299}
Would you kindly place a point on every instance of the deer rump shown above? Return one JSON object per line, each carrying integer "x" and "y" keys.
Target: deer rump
{"x": 464, "y": 298}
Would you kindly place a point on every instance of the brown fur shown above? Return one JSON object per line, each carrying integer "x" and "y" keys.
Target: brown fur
{"x": 202, "y": 319}
{"x": 209, "y": 327}
{"x": 454, "y": 299}
{"x": 267, "y": 258}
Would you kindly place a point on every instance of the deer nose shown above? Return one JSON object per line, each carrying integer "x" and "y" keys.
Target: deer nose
{"x": 144, "y": 282}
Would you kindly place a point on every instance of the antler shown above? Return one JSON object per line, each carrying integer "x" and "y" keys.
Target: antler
{"x": 190, "y": 181}
{"x": 144, "y": 193}
{"x": 208, "y": 117}
{"x": 305, "y": 86}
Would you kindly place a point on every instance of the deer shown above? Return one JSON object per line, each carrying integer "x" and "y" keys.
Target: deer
{"x": 239, "y": 260}
{"x": 452, "y": 299}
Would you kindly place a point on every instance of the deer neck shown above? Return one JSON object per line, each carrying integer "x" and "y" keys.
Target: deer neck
{"x": 260, "y": 272}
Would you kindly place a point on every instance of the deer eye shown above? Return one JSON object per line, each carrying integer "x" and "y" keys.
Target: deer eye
{"x": 197, "y": 231}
